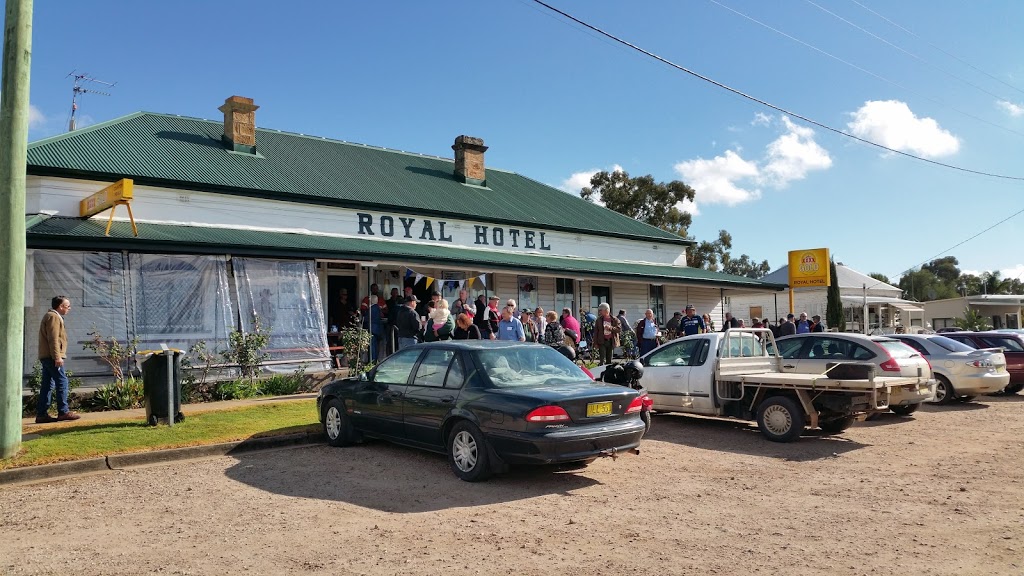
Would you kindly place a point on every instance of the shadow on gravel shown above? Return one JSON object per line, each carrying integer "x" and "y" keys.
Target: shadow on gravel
{"x": 978, "y": 404}
{"x": 742, "y": 437}
{"x": 1003, "y": 398}
{"x": 393, "y": 478}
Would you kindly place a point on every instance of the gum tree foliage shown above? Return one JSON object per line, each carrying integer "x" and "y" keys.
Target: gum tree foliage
{"x": 656, "y": 203}
{"x": 717, "y": 256}
{"x": 880, "y": 277}
{"x": 834, "y": 315}
{"x": 642, "y": 199}
{"x": 941, "y": 278}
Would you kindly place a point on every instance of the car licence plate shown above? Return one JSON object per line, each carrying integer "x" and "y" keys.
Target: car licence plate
{"x": 599, "y": 409}
{"x": 1000, "y": 368}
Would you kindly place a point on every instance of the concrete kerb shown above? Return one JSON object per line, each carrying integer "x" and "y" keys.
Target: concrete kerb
{"x": 131, "y": 460}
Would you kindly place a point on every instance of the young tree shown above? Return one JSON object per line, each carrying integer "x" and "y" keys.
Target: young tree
{"x": 834, "y": 315}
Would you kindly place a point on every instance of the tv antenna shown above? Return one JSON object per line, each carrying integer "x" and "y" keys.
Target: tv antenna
{"x": 78, "y": 88}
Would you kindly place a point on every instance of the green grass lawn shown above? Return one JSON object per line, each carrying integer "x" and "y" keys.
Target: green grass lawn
{"x": 91, "y": 440}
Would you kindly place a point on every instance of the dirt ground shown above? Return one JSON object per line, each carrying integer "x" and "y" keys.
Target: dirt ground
{"x": 939, "y": 493}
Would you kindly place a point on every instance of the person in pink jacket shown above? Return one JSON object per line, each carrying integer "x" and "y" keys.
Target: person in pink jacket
{"x": 570, "y": 323}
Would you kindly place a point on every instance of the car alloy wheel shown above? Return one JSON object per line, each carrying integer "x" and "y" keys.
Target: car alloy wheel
{"x": 464, "y": 451}
{"x": 332, "y": 423}
{"x": 468, "y": 453}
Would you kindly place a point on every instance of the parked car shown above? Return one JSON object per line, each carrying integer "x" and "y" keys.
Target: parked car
{"x": 961, "y": 372}
{"x": 1013, "y": 349}
{"x": 487, "y": 405}
{"x": 811, "y": 353}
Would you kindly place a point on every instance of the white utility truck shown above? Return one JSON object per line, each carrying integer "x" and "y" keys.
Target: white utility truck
{"x": 736, "y": 374}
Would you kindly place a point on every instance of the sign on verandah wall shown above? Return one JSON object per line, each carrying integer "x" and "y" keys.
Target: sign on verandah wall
{"x": 809, "y": 268}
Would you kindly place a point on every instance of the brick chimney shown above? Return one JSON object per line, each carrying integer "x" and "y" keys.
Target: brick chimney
{"x": 469, "y": 160}
{"x": 239, "y": 124}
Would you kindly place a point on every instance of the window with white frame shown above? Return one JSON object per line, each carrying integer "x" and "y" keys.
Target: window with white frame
{"x": 565, "y": 295}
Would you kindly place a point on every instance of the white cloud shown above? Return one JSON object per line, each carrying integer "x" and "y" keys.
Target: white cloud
{"x": 36, "y": 119}
{"x": 891, "y": 123}
{"x": 761, "y": 119}
{"x": 794, "y": 154}
{"x": 730, "y": 179}
{"x": 580, "y": 180}
{"x": 689, "y": 206}
{"x": 1011, "y": 108}
{"x": 1011, "y": 273}
{"x": 717, "y": 180}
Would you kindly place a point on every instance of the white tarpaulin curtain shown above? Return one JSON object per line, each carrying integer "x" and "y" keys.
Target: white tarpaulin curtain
{"x": 285, "y": 296}
{"x": 179, "y": 300}
{"x": 94, "y": 282}
{"x": 175, "y": 300}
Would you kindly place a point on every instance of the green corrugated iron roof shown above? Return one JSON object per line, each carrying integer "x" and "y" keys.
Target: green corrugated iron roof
{"x": 175, "y": 151}
{"x": 79, "y": 234}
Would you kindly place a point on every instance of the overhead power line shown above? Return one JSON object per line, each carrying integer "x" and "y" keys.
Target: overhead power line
{"x": 903, "y": 50}
{"x": 951, "y": 55}
{"x": 866, "y": 71}
{"x": 768, "y": 104}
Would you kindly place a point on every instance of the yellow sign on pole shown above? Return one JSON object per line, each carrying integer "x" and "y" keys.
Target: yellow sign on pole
{"x": 118, "y": 193}
{"x": 809, "y": 268}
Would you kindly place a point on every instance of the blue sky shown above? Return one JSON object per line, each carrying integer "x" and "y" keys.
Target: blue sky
{"x": 556, "y": 103}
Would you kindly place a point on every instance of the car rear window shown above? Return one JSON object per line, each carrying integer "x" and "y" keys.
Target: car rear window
{"x": 1009, "y": 344}
{"x": 897, "y": 349}
{"x": 950, "y": 344}
{"x": 528, "y": 366}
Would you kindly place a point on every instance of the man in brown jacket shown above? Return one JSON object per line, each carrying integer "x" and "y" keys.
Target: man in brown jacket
{"x": 606, "y": 333}
{"x": 53, "y": 350}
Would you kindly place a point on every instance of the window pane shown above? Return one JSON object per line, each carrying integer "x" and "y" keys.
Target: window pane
{"x": 1010, "y": 344}
{"x": 396, "y": 369}
{"x": 433, "y": 368}
{"x": 950, "y": 344}
{"x": 565, "y": 295}
{"x": 656, "y": 301}
{"x": 680, "y": 354}
{"x": 456, "y": 374}
{"x": 790, "y": 348}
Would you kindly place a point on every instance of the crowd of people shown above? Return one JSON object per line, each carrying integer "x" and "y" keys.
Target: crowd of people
{"x": 401, "y": 320}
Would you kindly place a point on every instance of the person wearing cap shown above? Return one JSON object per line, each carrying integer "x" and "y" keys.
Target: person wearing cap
{"x": 787, "y": 328}
{"x": 408, "y": 323}
{"x": 817, "y": 325}
{"x": 691, "y": 323}
{"x": 490, "y": 318}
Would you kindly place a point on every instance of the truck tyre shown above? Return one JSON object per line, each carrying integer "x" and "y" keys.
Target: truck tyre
{"x": 906, "y": 410}
{"x": 780, "y": 419}
{"x": 944, "y": 391}
{"x": 837, "y": 425}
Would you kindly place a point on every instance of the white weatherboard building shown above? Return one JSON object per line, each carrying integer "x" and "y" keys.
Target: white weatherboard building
{"x": 236, "y": 222}
{"x": 998, "y": 310}
{"x": 885, "y": 307}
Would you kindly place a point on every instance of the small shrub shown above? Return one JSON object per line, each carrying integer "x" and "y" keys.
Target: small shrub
{"x": 115, "y": 354}
{"x": 196, "y": 367}
{"x": 237, "y": 389}
{"x": 354, "y": 341}
{"x": 246, "y": 350}
{"x": 35, "y": 382}
{"x": 119, "y": 395}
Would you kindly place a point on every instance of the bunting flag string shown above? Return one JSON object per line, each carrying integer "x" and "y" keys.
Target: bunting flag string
{"x": 450, "y": 285}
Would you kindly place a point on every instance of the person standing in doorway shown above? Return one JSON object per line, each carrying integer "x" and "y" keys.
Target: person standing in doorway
{"x": 53, "y": 351}
{"x": 647, "y": 332}
{"x": 408, "y": 323}
{"x": 606, "y": 333}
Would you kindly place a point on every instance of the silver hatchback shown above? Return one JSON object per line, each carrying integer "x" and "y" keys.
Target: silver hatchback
{"x": 811, "y": 353}
{"x": 961, "y": 372}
